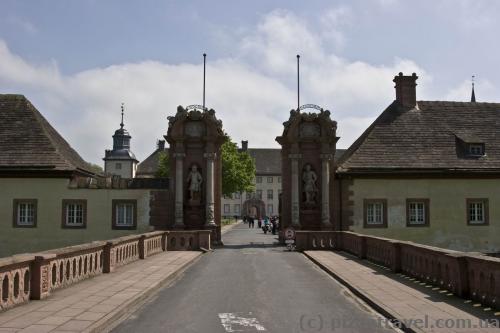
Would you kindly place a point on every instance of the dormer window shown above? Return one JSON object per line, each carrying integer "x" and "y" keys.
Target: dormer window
{"x": 476, "y": 149}
{"x": 470, "y": 145}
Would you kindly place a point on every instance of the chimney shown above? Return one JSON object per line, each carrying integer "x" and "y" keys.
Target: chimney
{"x": 406, "y": 89}
{"x": 244, "y": 145}
{"x": 160, "y": 144}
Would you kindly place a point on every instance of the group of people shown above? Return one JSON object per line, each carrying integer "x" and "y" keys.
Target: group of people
{"x": 262, "y": 222}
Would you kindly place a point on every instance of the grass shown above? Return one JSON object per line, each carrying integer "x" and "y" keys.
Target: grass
{"x": 228, "y": 221}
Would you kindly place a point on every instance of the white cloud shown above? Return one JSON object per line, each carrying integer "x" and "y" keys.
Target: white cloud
{"x": 252, "y": 92}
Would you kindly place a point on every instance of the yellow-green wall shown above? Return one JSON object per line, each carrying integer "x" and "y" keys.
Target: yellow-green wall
{"x": 48, "y": 234}
{"x": 448, "y": 222}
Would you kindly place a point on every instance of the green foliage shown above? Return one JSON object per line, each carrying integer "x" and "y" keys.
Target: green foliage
{"x": 238, "y": 169}
{"x": 95, "y": 168}
{"x": 163, "y": 165}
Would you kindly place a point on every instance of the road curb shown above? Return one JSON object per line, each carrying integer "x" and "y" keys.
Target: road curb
{"x": 123, "y": 311}
{"x": 375, "y": 306}
{"x": 229, "y": 227}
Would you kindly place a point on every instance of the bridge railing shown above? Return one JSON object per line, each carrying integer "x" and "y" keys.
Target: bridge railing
{"x": 35, "y": 276}
{"x": 186, "y": 240}
{"x": 15, "y": 280}
{"x": 465, "y": 274}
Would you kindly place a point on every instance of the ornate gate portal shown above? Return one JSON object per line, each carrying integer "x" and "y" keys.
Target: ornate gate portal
{"x": 308, "y": 146}
{"x": 195, "y": 137}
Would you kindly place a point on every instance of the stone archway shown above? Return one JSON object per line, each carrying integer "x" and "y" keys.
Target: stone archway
{"x": 254, "y": 207}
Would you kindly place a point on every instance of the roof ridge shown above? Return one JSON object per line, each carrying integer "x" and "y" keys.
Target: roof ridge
{"x": 49, "y": 132}
{"x": 359, "y": 141}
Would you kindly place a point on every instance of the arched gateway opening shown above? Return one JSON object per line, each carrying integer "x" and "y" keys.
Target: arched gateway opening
{"x": 308, "y": 144}
{"x": 255, "y": 208}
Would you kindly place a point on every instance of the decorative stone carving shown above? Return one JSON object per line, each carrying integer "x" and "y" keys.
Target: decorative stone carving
{"x": 194, "y": 129}
{"x": 309, "y": 188}
{"x": 45, "y": 278}
{"x": 194, "y": 113}
{"x": 194, "y": 180}
{"x": 309, "y": 130}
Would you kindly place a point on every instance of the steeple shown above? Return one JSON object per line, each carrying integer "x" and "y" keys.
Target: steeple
{"x": 120, "y": 160}
{"x": 121, "y": 139}
{"x": 121, "y": 124}
{"x": 473, "y": 95}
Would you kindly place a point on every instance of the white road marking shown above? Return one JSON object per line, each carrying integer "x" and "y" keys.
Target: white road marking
{"x": 234, "y": 322}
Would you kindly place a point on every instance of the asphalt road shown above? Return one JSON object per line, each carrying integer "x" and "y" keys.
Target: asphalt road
{"x": 251, "y": 285}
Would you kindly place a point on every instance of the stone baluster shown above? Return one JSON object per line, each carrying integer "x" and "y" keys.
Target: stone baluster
{"x": 325, "y": 190}
{"x": 295, "y": 190}
{"x": 179, "y": 191}
{"x": 210, "y": 189}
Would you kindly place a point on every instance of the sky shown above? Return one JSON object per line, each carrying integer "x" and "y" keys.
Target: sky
{"x": 77, "y": 61}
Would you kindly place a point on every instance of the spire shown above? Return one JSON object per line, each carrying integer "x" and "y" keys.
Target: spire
{"x": 298, "y": 82}
{"x": 204, "y": 75}
{"x": 121, "y": 124}
{"x": 473, "y": 95}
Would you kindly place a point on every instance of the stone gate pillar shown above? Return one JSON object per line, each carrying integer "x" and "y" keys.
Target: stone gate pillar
{"x": 210, "y": 206}
{"x": 179, "y": 193}
{"x": 308, "y": 145}
{"x": 195, "y": 137}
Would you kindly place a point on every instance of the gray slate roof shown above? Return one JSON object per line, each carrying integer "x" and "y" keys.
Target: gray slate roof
{"x": 29, "y": 142}
{"x": 428, "y": 138}
{"x": 148, "y": 167}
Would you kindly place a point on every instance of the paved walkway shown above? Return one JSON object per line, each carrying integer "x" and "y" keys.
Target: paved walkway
{"x": 421, "y": 307}
{"x": 91, "y": 304}
{"x": 252, "y": 285}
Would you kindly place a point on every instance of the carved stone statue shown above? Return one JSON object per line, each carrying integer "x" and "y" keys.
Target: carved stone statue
{"x": 310, "y": 189}
{"x": 194, "y": 181}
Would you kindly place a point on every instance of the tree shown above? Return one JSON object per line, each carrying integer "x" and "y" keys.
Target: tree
{"x": 95, "y": 168}
{"x": 163, "y": 170}
{"x": 238, "y": 169}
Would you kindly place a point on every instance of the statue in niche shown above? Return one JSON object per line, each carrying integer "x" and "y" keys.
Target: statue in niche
{"x": 310, "y": 189}
{"x": 194, "y": 181}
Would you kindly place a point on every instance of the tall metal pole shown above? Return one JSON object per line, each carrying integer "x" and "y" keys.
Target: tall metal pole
{"x": 298, "y": 82}
{"x": 204, "y": 71}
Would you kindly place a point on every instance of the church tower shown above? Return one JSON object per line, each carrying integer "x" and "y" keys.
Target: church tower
{"x": 120, "y": 161}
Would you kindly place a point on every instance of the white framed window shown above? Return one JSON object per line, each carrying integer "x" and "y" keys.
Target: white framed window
{"x": 279, "y": 179}
{"x": 269, "y": 179}
{"x": 259, "y": 194}
{"x": 25, "y": 212}
{"x": 227, "y": 208}
{"x": 259, "y": 180}
{"x": 417, "y": 211}
{"x": 237, "y": 208}
{"x": 375, "y": 213}
{"x": 477, "y": 211}
{"x": 74, "y": 213}
{"x": 118, "y": 166}
{"x": 269, "y": 209}
{"x": 124, "y": 214}
{"x": 270, "y": 194}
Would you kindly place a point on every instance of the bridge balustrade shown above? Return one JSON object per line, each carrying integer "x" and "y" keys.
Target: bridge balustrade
{"x": 35, "y": 276}
{"x": 465, "y": 274}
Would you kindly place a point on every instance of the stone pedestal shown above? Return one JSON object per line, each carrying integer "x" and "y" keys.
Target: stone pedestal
{"x": 195, "y": 137}
{"x": 308, "y": 147}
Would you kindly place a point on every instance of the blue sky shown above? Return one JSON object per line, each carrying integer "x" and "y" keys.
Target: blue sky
{"x": 78, "y": 60}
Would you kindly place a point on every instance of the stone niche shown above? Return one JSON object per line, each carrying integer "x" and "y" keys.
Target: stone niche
{"x": 308, "y": 146}
{"x": 195, "y": 137}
